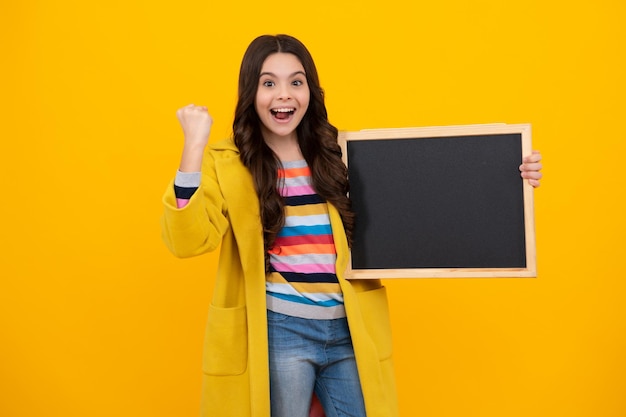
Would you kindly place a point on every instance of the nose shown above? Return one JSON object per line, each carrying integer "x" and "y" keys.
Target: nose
{"x": 284, "y": 93}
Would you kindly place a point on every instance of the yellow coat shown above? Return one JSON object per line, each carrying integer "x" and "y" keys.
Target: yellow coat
{"x": 225, "y": 210}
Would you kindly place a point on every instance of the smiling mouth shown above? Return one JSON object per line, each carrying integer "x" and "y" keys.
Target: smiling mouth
{"x": 283, "y": 113}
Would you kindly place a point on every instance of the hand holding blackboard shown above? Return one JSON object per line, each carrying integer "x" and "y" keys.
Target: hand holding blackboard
{"x": 442, "y": 201}
{"x": 531, "y": 168}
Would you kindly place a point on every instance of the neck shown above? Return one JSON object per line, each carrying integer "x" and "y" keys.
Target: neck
{"x": 286, "y": 148}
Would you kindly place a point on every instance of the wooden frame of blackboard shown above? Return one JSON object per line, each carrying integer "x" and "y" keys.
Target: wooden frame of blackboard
{"x": 481, "y": 137}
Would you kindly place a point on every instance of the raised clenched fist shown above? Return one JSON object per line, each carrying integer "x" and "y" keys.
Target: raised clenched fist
{"x": 196, "y": 123}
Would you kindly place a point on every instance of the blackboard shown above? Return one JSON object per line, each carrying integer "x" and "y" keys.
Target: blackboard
{"x": 443, "y": 202}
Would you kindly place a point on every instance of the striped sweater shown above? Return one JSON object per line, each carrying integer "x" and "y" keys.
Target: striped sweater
{"x": 302, "y": 280}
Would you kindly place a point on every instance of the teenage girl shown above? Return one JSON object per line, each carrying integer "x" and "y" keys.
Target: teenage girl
{"x": 284, "y": 326}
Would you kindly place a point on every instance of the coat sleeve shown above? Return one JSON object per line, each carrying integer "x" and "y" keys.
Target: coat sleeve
{"x": 199, "y": 226}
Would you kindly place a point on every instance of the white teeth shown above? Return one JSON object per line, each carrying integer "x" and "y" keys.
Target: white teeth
{"x": 283, "y": 110}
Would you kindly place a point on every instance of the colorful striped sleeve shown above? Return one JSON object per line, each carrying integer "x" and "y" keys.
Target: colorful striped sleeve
{"x": 185, "y": 185}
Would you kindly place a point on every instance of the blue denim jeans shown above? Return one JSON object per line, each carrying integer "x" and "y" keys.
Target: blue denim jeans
{"x": 312, "y": 355}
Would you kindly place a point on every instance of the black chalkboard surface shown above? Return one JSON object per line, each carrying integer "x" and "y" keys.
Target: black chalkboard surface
{"x": 440, "y": 202}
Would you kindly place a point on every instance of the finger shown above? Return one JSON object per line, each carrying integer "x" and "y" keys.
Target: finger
{"x": 532, "y": 178}
{"x": 534, "y": 166}
{"x": 534, "y": 183}
{"x": 535, "y": 156}
{"x": 199, "y": 109}
{"x": 180, "y": 112}
{"x": 532, "y": 175}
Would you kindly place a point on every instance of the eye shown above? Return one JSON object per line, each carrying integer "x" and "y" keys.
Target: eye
{"x": 268, "y": 83}
{"x": 297, "y": 83}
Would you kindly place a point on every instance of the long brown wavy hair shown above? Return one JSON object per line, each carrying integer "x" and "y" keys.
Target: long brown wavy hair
{"x": 316, "y": 136}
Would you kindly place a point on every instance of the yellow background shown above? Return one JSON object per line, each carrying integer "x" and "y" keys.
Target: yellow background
{"x": 98, "y": 319}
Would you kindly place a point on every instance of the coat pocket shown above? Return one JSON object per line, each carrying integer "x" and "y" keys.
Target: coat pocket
{"x": 375, "y": 312}
{"x": 226, "y": 342}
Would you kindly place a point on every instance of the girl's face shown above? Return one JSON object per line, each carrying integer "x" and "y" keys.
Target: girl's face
{"x": 282, "y": 96}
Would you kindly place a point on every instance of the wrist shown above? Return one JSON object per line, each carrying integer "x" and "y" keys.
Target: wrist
{"x": 191, "y": 159}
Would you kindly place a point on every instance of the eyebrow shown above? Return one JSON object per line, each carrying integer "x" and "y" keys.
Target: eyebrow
{"x": 271, "y": 74}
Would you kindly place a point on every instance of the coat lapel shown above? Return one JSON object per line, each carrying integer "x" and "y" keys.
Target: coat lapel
{"x": 243, "y": 208}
